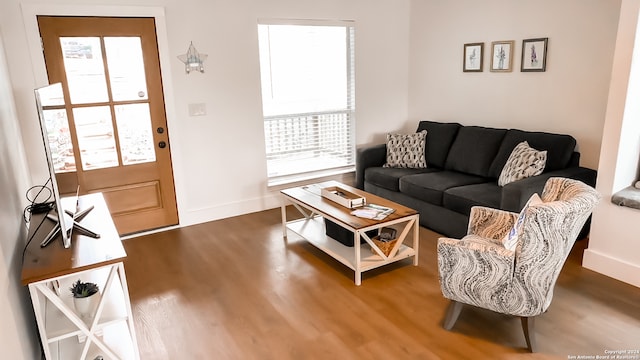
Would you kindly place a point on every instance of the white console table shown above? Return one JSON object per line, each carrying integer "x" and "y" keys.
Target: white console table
{"x": 49, "y": 273}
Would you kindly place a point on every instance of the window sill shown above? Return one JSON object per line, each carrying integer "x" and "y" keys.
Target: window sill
{"x": 317, "y": 176}
{"x": 628, "y": 197}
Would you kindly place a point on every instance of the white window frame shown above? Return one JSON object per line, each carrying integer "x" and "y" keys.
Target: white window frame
{"x": 314, "y": 132}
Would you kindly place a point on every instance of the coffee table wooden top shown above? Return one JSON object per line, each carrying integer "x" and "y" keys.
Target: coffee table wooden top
{"x": 310, "y": 196}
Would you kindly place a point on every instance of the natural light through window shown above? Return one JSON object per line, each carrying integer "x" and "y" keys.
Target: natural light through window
{"x": 307, "y": 73}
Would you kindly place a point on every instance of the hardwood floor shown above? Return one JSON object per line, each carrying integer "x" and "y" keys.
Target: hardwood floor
{"x": 234, "y": 289}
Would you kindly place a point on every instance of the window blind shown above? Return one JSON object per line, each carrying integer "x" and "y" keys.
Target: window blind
{"x": 308, "y": 94}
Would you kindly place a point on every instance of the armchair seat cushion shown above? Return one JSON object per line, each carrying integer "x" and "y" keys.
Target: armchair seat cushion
{"x": 431, "y": 186}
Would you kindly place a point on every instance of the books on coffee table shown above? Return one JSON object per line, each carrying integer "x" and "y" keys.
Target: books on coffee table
{"x": 373, "y": 211}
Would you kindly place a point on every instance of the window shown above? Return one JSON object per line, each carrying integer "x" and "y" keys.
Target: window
{"x": 307, "y": 73}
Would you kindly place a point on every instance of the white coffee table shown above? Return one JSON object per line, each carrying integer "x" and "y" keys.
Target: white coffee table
{"x": 360, "y": 257}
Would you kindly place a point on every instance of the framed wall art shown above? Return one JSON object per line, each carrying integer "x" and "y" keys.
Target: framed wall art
{"x": 473, "y": 55}
{"x": 502, "y": 55}
{"x": 534, "y": 54}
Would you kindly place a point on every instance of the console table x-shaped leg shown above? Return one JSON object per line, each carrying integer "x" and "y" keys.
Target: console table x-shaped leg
{"x": 87, "y": 329}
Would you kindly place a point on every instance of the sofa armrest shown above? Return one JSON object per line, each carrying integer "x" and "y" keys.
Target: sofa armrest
{"x": 366, "y": 157}
{"x": 491, "y": 224}
{"x": 516, "y": 194}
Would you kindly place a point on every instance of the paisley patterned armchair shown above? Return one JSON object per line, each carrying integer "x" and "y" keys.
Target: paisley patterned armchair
{"x": 478, "y": 270}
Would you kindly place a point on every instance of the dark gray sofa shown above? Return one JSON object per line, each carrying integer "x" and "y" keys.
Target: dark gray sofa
{"x": 463, "y": 166}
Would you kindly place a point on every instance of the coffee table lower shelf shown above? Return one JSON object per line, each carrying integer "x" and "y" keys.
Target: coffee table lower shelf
{"x": 313, "y": 230}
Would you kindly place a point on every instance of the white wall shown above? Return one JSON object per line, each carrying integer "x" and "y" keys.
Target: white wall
{"x": 218, "y": 159}
{"x": 614, "y": 244}
{"x": 17, "y": 332}
{"x": 570, "y": 97}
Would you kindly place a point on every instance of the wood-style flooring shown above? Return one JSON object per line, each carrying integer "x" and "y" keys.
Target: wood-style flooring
{"x": 234, "y": 289}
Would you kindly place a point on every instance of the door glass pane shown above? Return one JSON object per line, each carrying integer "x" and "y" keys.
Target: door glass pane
{"x": 59, "y": 140}
{"x": 135, "y": 133}
{"x": 85, "y": 70}
{"x": 95, "y": 137}
{"x": 126, "y": 68}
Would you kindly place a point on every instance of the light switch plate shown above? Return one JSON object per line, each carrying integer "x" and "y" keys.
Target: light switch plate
{"x": 199, "y": 109}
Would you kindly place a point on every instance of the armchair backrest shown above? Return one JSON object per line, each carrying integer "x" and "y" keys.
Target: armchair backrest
{"x": 548, "y": 234}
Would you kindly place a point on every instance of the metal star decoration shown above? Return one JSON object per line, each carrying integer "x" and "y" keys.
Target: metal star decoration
{"x": 193, "y": 60}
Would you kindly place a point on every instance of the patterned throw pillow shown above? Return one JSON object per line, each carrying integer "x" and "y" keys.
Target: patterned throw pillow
{"x": 523, "y": 162}
{"x": 510, "y": 241}
{"x": 406, "y": 150}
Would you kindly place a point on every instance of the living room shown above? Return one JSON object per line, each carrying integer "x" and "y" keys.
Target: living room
{"x": 409, "y": 68}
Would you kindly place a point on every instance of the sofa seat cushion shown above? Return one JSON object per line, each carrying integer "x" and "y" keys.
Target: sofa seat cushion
{"x": 429, "y": 187}
{"x": 559, "y": 149}
{"x": 474, "y": 150}
{"x": 440, "y": 136}
{"x": 389, "y": 178}
{"x": 462, "y": 198}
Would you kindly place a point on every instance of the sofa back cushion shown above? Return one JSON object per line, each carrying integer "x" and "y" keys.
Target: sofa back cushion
{"x": 440, "y": 136}
{"x": 474, "y": 150}
{"x": 559, "y": 149}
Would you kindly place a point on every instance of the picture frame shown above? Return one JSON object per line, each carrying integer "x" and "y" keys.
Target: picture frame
{"x": 502, "y": 56}
{"x": 534, "y": 54}
{"x": 473, "y": 56}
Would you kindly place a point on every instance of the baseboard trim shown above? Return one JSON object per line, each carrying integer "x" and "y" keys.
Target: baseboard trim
{"x": 223, "y": 211}
{"x": 612, "y": 267}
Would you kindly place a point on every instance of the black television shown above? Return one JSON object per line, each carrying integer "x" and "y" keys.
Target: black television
{"x": 50, "y": 100}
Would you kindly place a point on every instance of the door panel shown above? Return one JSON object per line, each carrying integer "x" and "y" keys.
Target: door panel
{"x": 110, "y": 73}
{"x": 133, "y": 198}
